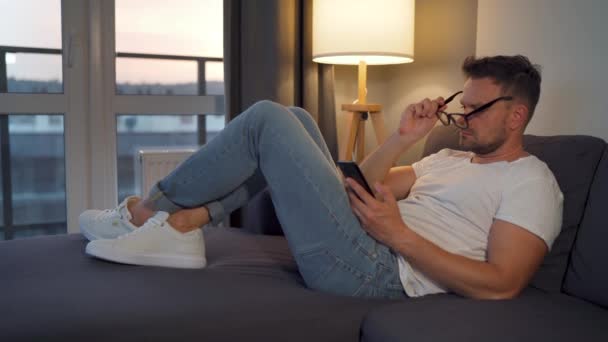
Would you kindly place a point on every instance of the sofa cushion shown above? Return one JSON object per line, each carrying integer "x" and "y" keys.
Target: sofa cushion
{"x": 534, "y": 316}
{"x": 573, "y": 160}
{"x": 587, "y": 275}
{"x": 251, "y": 290}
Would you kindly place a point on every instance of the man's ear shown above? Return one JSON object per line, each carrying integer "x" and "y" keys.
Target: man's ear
{"x": 519, "y": 116}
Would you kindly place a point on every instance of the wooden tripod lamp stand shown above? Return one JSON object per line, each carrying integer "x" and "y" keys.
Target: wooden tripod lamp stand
{"x": 358, "y": 113}
{"x": 362, "y": 32}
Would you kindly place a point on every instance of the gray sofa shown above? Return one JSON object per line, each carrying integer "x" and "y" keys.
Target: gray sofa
{"x": 251, "y": 289}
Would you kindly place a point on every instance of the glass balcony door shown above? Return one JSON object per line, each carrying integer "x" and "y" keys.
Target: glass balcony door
{"x": 42, "y": 116}
{"x": 85, "y": 83}
{"x": 161, "y": 75}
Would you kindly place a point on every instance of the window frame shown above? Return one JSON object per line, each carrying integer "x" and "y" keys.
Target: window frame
{"x": 70, "y": 103}
{"x": 103, "y": 81}
{"x": 90, "y": 105}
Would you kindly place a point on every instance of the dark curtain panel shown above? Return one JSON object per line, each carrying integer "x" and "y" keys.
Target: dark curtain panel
{"x": 268, "y": 55}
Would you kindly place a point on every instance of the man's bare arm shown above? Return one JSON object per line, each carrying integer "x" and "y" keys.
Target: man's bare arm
{"x": 416, "y": 121}
{"x": 400, "y": 180}
{"x": 513, "y": 255}
{"x": 378, "y": 166}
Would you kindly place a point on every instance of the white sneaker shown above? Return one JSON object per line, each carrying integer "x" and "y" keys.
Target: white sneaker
{"x": 155, "y": 243}
{"x": 107, "y": 224}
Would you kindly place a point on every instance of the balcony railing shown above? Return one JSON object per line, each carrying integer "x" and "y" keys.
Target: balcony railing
{"x": 7, "y": 223}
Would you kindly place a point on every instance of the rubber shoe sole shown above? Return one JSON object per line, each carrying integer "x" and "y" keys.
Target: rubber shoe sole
{"x": 85, "y": 231}
{"x": 109, "y": 253}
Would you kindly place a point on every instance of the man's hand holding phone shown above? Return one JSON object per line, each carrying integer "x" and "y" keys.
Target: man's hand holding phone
{"x": 351, "y": 170}
{"x": 379, "y": 215}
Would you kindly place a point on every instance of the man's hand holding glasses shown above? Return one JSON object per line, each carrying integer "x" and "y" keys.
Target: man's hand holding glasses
{"x": 419, "y": 118}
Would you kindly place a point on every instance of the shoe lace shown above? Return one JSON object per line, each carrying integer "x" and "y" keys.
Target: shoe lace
{"x": 109, "y": 213}
{"x": 152, "y": 223}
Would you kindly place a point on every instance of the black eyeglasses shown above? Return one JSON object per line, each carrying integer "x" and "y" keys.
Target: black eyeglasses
{"x": 461, "y": 120}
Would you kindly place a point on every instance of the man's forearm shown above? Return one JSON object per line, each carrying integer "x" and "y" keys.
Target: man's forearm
{"x": 377, "y": 164}
{"x": 467, "y": 277}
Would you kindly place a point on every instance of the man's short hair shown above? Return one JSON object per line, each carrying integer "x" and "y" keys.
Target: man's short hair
{"x": 516, "y": 75}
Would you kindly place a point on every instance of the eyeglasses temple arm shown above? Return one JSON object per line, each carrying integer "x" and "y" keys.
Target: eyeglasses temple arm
{"x": 449, "y": 99}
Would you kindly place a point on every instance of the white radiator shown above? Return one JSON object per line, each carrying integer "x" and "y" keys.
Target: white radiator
{"x": 154, "y": 164}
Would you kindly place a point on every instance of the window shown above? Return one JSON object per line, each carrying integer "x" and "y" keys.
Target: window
{"x": 136, "y": 132}
{"x": 82, "y": 83}
{"x": 181, "y": 58}
{"x": 184, "y": 58}
{"x": 32, "y": 154}
{"x": 30, "y": 46}
{"x": 37, "y": 176}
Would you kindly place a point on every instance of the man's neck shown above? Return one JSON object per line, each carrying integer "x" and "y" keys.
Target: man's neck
{"x": 504, "y": 153}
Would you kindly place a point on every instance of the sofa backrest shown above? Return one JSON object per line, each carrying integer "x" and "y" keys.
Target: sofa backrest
{"x": 259, "y": 217}
{"x": 573, "y": 160}
{"x": 587, "y": 275}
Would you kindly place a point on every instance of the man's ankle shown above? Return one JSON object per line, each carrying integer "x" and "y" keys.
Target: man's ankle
{"x": 181, "y": 225}
{"x": 139, "y": 213}
{"x": 187, "y": 220}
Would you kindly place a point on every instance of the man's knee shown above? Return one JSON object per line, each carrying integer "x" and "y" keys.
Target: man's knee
{"x": 270, "y": 108}
{"x": 304, "y": 116}
{"x": 272, "y": 113}
{"x": 299, "y": 111}
{"x": 267, "y": 106}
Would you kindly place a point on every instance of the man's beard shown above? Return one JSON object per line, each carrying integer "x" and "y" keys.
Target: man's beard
{"x": 482, "y": 149}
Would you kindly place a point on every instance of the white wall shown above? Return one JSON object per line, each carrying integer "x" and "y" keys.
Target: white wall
{"x": 568, "y": 39}
{"x": 444, "y": 36}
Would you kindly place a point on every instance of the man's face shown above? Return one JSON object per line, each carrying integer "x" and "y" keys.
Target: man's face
{"x": 487, "y": 130}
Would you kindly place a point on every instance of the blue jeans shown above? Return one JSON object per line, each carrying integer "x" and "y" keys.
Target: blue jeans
{"x": 282, "y": 148}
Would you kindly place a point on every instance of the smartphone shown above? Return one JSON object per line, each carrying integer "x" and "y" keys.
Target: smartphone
{"x": 351, "y": 169}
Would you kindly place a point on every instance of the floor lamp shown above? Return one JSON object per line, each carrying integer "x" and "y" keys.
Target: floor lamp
{"x": 363, "y": 32}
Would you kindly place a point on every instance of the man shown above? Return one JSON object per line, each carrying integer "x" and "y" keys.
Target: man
{"x": 475, "y": 223}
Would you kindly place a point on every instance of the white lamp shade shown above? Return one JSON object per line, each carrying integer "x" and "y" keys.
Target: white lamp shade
{"x": 373, "y": 31}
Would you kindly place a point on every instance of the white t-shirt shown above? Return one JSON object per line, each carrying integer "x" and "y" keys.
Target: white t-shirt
{"x": 454, "y": 202}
